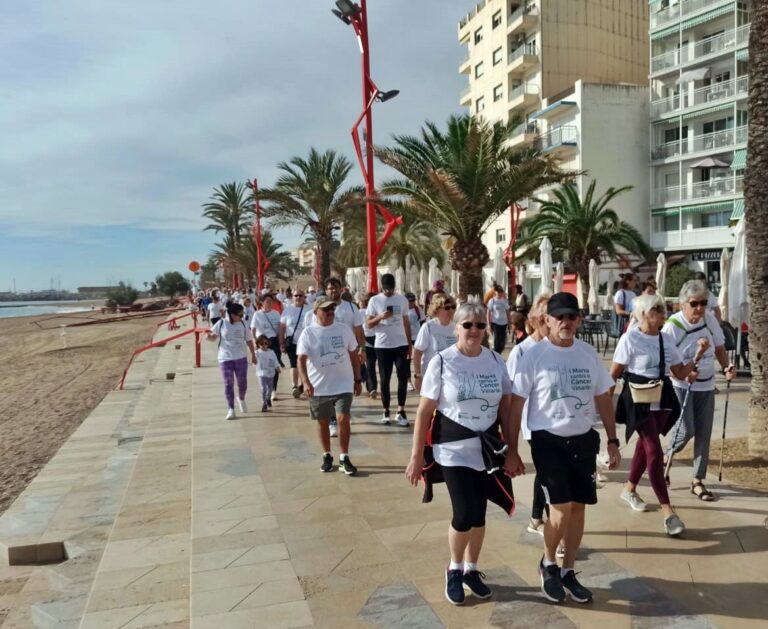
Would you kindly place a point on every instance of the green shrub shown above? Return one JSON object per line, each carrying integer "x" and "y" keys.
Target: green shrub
{"x": 122, "y": 295}
{"x": 677, "y": 275}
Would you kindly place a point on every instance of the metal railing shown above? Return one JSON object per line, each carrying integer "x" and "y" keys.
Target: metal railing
{"x": 527, "y": 128}
{"x": 522, "y": 90}
{"x": 525, "y": 49}
{"x": 719, "y": 140}
{"x": 700, "y": 49}
{"x": 478, "y": 7}
{"x": 520, "y": 11}
{"x": 703, "y": 95}
{"x": 699, "y": 191}
{"x": 679, "y": 10}
{"x": 566, "y": 134}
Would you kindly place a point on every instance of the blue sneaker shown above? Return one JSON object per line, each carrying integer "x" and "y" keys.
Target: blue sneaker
{"x": 551, "y": 584}
{"x": 473, "y": 581}
{"x": 454, "y": 586}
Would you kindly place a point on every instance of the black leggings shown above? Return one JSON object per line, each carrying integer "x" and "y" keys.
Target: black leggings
{"x": 371, "y": 383}
{"x": 539, "y": 500}
{"x": 387, "y": 358}
{"x": 274, "y": 343}
{"x": 499, "y": 337}
{"x": 468, "y": 491}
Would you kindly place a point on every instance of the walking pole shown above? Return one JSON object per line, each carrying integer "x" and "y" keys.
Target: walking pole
{"x": 668, "y": 466}
{"x": 725, "y": 418}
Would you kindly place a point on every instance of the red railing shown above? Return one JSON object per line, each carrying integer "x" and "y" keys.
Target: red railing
{"x": 171, "y": 323}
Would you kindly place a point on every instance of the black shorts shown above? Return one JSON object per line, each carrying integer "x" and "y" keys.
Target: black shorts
{"x": 566, "y": 466}
{"x": 290, "y": 349}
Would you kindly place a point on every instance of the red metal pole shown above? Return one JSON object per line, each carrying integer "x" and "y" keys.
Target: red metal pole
{"x": 257, "y": 237}
{"x": 509, "y": 254}
{"x": 370, "y": 209}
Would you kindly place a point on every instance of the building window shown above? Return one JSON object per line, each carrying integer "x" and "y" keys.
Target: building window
{"x": 501, "y": 236}
{"x": 479, "y": 70}
{"x": 498, "y": 55}
{"x": 498, "y": 92}
{"x": 479, "y": 35}
{"x": 496, "y": 19}
{"x": 479, "y": 105}
{"x": 716, "y": 219}
{"x": 666, "y": 223}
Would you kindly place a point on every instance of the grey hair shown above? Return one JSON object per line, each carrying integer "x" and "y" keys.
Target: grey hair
{"x": 692, "y": 288}
{"x": 469, "y": 310}
{"x": 644, "y": 303}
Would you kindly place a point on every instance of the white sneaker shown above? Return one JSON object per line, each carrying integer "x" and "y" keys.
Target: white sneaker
{"x": 673, "y": 525}
{"x": 231, "y": 414}
{"x": 274, "y": 396}
{"x": 385, "y": 420}
{"x": 401, "y": 420}
{"x": 374, "y": 395}
{"x": 536, "y": 526}
{"x": 410, "y": 386}
{"x": 633, "y": 500}
{"x": 333, "y": 429}
{"x": 242, "y": 406}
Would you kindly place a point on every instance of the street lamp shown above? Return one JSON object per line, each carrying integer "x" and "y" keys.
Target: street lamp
{"x": 262, "y": 262}
{"x": 357, "y": 16}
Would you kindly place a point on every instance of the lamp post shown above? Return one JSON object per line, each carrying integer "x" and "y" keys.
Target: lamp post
{"x": 262, "y": 262}
{"x": 357, "y": 16}
{"x": 509, "y": 254}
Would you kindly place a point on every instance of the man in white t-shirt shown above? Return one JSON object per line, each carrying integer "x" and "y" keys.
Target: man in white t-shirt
{"x": 291, "y": 327}
{"x": 387, "y": 316}
{"x": 329, "y": 368}
{"x": 564, "y": 382}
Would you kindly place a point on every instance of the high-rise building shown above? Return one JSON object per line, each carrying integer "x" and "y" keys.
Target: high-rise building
{"x": 698, "y": 130}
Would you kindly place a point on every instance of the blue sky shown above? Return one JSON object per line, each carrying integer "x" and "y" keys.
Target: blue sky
{"x": 117, "y": 119}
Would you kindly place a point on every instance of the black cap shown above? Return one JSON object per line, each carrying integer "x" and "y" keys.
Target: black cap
{"x": 562, "y": 303}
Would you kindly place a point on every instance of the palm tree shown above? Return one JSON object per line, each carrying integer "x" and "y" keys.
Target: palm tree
{"x": 282, "y": 265}
{"x": 582, "y": 230}
{"x": 756, "y": 201}
{"x": 309, "y": 194}
{"x": 229, "y": 212}
{"x": 225, "y": 255}
{"x": 462, "y": 179}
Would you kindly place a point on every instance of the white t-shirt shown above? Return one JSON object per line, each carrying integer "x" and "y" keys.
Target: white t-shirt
{"x": 514, "y": 358}
{"x": 346, "y": 312}
{"x": 232, "y": 339}
{"x": 468, "y": 391}
{"x": 687, "y": 343}
{"x": 266, "y": 323}
{"x": 389, "y": 332}
{"x": 248, "y": 314}
{"x": 293, "y": 320}
{"x": 433, "y": 338}
{"x": 266, "y": 363}
{"x": 711, "y": 301}
{"x": 214, "y": 310}
{"x": 328, "y": 364}
{"x": 560, "y": 384}
{"x": 499, "y": 311}
{"x": 415, "y": 318}
{"x": 625, "y": 298}
{"x": 311, "y": 296}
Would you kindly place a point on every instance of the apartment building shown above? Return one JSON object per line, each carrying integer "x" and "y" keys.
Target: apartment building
{"x": 698, "y": 125}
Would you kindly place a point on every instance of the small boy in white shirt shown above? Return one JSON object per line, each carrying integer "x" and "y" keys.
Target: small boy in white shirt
{"x": 267, "y": 366}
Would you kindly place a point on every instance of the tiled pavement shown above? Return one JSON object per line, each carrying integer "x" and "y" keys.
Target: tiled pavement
{"x": 231, "y": 524}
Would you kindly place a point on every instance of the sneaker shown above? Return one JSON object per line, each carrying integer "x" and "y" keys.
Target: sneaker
{"x": 327, "y": 465}
{"x": 231, "y": 414}
{"x": 473, "y": 581}
{"x": 374, "y": 395}
{"x": 243, "y": 406}
{"x": 333, "y": 429}
{"x": 296, "y": 393}
{"x": 345, "y": 465}
{"x": 673, "y": 525}
{"x": 264, "y": 408}
{"x": 385, "y": 419}
{"x": 274, "y": 397}
{"x": 402, "y": 420}
{"x": 576, "y": 590}
{"x": 454, "y": 586}
{"x": 633, "y": 500}
{"x": 551, "y": 584}
{"x": 269, "y": 402}
{"x": 560, "y": 552}
{"x": 536, "y": 526}
{"x": 410, "y": 386}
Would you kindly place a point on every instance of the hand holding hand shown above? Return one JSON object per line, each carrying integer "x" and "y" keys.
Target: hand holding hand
{"x": 513, "y": 464}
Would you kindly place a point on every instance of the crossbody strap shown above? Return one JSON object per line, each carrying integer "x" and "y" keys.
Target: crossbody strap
{"x": 295, "y": 327}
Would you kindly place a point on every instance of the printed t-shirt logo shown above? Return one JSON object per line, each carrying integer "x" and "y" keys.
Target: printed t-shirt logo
{"x": 473, "y": 386}
{"x": 331, "y": 350}
{"x": 570, "y": 383}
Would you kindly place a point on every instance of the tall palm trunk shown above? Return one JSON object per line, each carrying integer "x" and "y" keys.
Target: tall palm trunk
{"x": 324, "y": 244}
{"x": 468, "y": 257}
{"x": 756, "y": 217}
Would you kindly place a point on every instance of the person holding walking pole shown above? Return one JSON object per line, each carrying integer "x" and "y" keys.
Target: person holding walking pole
{"x": 686, "y": 327}
{"x": 722, "y": 443}
{"x": 644, "y": 357}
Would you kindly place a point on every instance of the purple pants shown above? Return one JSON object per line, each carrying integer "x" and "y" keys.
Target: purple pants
{"x": 267, "y": 386}
{"x": 231, "y": 369}
{"x": 649, "y": 455}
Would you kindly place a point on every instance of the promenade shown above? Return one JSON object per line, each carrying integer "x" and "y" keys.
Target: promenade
{"x": 159, "y": 513}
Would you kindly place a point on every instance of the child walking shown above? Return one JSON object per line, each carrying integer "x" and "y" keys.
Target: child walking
{"x": 235, "y": 339}
{"x": 267, "y": 367}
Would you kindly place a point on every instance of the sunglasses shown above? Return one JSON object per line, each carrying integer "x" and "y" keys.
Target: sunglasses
{"x": 698, "y": 304}
{"x": 329, "y": 309}
{"x": 449, "y": 307}
{"x": 468, "y": 325}
{"x": 566, "y": 317}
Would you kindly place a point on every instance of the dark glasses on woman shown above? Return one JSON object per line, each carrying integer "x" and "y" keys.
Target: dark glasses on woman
{"x": 698, "y": 304}
{"x": 449, "y": 307}
{"x": 468, "y": 325}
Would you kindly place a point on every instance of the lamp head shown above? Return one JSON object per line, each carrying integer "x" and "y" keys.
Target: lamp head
{"x": 385, "y": 96}
{"x": 348, "y": 8}
{"x": 341, "y": 16}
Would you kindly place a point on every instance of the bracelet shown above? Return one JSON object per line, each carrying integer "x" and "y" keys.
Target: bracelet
{"x": 417, "y": 375}
{"x": 615, "y": 442}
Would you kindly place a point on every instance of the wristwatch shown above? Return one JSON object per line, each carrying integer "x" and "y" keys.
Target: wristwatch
{"x": 615, "y": 442}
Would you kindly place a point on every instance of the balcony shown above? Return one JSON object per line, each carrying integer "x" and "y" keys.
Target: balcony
{"x": 711, "y": 190}
{"x": 682, "y": 9}
{"x": 523, "y": 134}
{"x": 704, "y": 49}
{"x": 714, "y": 93}
{"x": 559, "y": 138}
{"x": 469, "y": 16}
{"x": 718, "y": 141}
{"x": 465, "y": 100}
{"x": 522, "y": 58}
{"x": 466, "y": 66}
{"x": 524, "y": 96}
{"x": 522, "y": 19}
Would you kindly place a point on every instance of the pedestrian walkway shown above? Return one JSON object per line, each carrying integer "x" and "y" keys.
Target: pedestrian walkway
{"x": 230, "y": 524}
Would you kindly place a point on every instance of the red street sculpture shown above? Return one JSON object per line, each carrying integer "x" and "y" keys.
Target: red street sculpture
{"x": 262, "y": 262}
{"x": 509, "y": 253}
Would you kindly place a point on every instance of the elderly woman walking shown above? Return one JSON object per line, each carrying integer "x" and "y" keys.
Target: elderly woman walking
{"x": 644, "y": 357}
{"x": 435, "y": 335}
{"x": 693, "y": 322}
{"x": 465, "y": 394}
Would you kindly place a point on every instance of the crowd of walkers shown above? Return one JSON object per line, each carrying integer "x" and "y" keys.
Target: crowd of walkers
{"x": 473, "y": 405}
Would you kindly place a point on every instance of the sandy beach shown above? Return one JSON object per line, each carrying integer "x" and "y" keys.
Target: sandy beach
{"x": 50, "y": 383}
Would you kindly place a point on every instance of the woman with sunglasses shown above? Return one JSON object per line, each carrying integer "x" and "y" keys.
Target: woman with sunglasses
{"x": 435, "y": 335}
{"x": 693, "y": 322}
{"x": 467, "y": 390}
{"x": 639, "y": 359}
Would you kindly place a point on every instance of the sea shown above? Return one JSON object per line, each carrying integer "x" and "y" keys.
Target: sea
{"x": 36, "y": 308}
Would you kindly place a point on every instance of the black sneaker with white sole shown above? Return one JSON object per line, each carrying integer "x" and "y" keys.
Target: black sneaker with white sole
{"x": 576, "y": 590}
{"x": 454, "y": 586}
{"x": 551, "y": 584}
{"x": 327, "y": 465}
{"x": 473, "y": 581}
{"x": 345, "y": 465}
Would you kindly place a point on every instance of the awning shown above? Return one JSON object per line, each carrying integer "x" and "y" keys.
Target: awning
{"x": 708, "y": 110}
{"x": 696, "y": 74}
{"x": 710, "y": 162}
{"x": 710, "y": 207}
{"x": 738, "y": 209}
{"x": 672, "y": 30}
{"x": 706, "y": 17}
{"x": 543, "y": 113}
{"x": 739, "y": 160}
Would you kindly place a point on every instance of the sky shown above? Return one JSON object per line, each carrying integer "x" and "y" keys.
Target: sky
{"x": 117, "y": 119}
